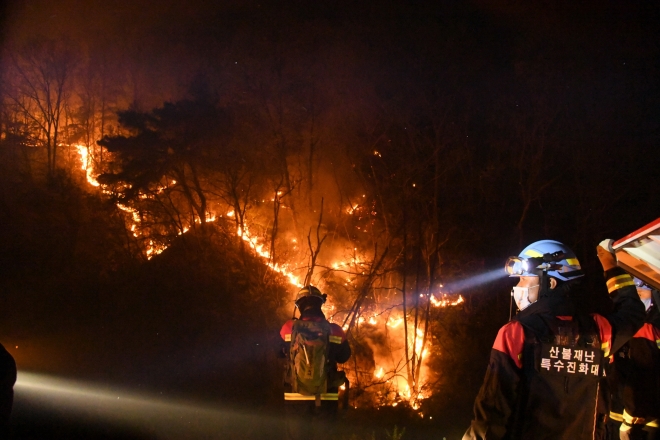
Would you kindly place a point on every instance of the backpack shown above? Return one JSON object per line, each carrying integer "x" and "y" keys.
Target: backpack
{"x": 308, "y": 357}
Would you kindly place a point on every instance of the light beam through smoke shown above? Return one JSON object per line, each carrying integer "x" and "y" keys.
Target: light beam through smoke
{"x": 150, "y": 415}
{"x": 476, "y": 280}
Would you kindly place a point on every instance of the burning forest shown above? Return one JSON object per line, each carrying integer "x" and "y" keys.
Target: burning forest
{"x": 368, "y": 296}
{"x": 172, "y": 176}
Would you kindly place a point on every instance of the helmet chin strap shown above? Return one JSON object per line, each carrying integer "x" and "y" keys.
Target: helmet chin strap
{"x": 544, "y": 285}
{"x": 510, "y": 307}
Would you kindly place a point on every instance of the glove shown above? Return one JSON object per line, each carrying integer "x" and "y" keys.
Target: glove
{"x": 606, "y": 254}
{"x": 624, "y": 432}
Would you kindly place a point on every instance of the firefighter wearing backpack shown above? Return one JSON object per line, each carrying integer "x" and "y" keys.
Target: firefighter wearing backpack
{"x": 312, "y": 348}
{"x": 635, "y": 376}
{"x": 545, "y": 375}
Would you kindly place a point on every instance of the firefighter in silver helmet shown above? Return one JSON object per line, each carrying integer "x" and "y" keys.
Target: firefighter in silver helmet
{"x": 312, "y": 347}
{"x": 635, "y": 376}
{"x": 546, "y": 365}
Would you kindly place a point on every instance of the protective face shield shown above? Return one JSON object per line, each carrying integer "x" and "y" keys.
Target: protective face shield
{"x": 525, "y": 296}
{"x": 516, "y": 266}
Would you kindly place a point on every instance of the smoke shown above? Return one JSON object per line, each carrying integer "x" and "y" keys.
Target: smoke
{"x": 475, "y": 280}
{"x": 153, "y": 416}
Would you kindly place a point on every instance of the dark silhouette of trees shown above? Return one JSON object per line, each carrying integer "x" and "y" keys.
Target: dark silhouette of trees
{"x": 169, "y": 151}
{"x": 39, "y": 82}
{"x": 435, "y": 140}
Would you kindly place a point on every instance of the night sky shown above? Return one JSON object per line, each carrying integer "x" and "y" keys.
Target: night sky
{"x": 472, "y": 126}
{"x": 602, "y": 57}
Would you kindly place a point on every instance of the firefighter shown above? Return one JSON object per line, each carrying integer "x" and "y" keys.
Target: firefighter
{"x": 546, "y": 366}
{"x": 635, "y": 376}
{"x": 311, "y": 407}
{"x": 7, "y": 381}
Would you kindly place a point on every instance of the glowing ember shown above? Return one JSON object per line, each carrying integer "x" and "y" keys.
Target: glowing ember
{"x": 444, "y": 302}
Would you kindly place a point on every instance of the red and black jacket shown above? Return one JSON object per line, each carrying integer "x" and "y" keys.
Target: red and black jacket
{"x": 529, "y": 391}
{"x": 635, "y": 376}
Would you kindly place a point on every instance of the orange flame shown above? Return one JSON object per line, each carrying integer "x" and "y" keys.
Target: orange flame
{"x": 352, "y": 266}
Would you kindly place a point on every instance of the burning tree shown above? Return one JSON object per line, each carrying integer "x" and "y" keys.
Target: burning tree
{"x": 412, "y": 202}
{"x": 39, "y": 81}
{"x": 180, "y": 164}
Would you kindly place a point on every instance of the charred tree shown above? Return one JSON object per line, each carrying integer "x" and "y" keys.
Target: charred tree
{"x": 40, "y": 75}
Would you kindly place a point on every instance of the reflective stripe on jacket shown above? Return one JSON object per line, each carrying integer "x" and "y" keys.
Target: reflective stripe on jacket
{"x": 630, "y": 420}
{"x": 635, "y": 376}
{"x": 298, "y": 396}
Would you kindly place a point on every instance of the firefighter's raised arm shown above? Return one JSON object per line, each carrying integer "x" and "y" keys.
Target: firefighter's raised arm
{"x": 628, "y": 315}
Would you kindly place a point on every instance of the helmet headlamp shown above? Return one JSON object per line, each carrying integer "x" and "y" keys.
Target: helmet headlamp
{"x": 519, "y": 266}
{"x": 525, "y": 265}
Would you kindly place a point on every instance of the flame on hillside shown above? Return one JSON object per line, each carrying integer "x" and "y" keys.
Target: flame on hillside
{"x": 388, "y": 373}
{"x": 260, "y": 250}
